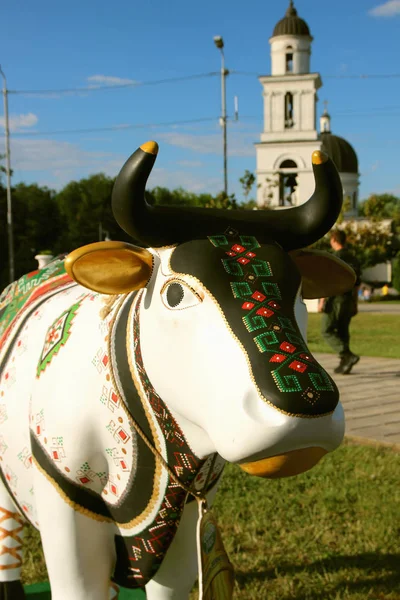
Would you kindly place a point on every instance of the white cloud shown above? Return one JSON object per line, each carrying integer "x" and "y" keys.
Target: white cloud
{"x": 17, "y": 122}
{"x": 109, "y": 80}
{"x": 174, "y": 179}
{"x": 239, "y": 143}
{"x": 387, "y": 9}
{"x": 59, "y": 162}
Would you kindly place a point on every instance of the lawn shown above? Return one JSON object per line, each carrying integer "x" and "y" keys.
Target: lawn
{"x": 372, "y": 334}
{"x": 330, "y": 534}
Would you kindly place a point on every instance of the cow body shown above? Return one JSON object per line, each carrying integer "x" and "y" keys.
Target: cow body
{"x": 112, "y": 408}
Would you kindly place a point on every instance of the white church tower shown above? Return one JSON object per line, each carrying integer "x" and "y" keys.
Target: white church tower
{"x": 284, "y": 172}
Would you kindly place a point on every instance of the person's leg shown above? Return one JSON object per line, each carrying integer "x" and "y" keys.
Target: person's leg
{"x": 348, "y": 358}
{"x": 329, "y": 331}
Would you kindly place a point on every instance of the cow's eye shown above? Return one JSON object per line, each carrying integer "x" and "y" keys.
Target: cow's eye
{"x": 178, "y": 295}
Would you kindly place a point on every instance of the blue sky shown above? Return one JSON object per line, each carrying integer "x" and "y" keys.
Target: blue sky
{"x": 51, "y": 45}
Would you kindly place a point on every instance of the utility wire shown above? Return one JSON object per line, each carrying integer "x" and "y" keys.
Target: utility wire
{"x": 99, "y": 88}
{"x": 359, "y": 76}
{"x": 135, "y": 84}
{"x": 116, "y": 127}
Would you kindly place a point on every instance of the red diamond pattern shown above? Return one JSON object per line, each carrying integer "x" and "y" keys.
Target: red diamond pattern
{"x": 274, "y": 304}
{"x": 265, "y": 312}
{"x": 278, "y": 358}
{"x": 248, "y": 305}
{"x": 238, "y": 248}
{"x": 258, "y": 296}
{"x": 243, "y": 260}
{"x": 287, "y": 347}
{"x": 230, "y": 253}
{"x": 250, "y": 254}
{"x": 296, "y": 365}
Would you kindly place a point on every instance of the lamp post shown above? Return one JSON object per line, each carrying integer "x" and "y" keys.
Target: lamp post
{"x": 8, "y": 171}
{"x": 219, "y": 42}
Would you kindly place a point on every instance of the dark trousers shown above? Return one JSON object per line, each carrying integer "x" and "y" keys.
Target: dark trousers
{"x": 335, "y": 325}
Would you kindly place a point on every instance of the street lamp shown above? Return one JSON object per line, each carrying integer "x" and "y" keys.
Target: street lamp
{"x": 219, "y": 42}
{"x": 8, "y": 170}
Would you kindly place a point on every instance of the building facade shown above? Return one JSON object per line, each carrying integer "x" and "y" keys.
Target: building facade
{"x": 290, "y": 135}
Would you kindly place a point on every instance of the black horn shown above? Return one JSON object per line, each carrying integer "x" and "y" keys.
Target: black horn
{"x": 292, "y": 228}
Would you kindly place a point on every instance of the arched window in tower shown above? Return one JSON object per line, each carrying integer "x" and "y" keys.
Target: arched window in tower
{"x": 289, "y": 59}
{"x": 289, "y": 110}
{"x": 287, "y": 183}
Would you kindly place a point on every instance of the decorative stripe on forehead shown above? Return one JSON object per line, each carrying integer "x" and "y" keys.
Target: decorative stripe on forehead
{"x": 255, "y": 286}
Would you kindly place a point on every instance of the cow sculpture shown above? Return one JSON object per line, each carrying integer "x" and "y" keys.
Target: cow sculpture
{"x": 129, "y": 375}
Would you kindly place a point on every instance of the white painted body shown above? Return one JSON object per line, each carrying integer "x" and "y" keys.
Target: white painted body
{"x": 71, "y": 411}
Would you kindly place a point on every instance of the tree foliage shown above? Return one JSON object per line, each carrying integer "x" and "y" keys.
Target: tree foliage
{"x": 81, "y": 213}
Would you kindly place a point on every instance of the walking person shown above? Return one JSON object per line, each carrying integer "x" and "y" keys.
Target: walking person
{"x": 337, "y": 311}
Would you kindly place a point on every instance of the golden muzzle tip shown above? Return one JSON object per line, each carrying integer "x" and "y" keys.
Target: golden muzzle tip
{"x": 150, "y": 147}
{"x": 285, "y": 465}
{"x": 318, "y": 157}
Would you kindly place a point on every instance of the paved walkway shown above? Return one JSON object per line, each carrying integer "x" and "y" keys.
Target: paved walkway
{"x": 371, "y": 397}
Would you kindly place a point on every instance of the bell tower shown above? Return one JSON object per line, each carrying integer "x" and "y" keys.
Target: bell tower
{"x": 290, "y": 133}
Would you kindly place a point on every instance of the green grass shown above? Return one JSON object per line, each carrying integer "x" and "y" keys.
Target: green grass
{"x": 330, "y": 534}
{"x": 371, "y": 334}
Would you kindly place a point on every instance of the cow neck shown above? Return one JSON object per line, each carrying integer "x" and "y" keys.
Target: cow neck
{"x": 180, "y": 461}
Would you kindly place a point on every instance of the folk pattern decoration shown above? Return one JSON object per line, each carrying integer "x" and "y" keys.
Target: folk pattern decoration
{"x": 27, "y": 291}
{"x": 293, "y": 369}
{"x": 56, "y": 337}
{"x": 147, "y": 550}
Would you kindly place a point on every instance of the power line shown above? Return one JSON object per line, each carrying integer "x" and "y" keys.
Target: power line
{"x": 116, "y": 87}
{"x": 116, "y": 127}
{"x": 357, "y": 76}
{"x": 135, "y": 84}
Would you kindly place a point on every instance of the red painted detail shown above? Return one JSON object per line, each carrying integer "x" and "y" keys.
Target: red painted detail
{"x": 243, "y": 260}
{"x": 250, "y": 254}
{"x": 55, "y": 455}
{"x": 278, "y": 358}
{"x": 287, "y": 347}
{"x": 238, "y": 248}
{"x": 306, "y": 356}
{"x": 258, "y": 296}
{"x": 273, "y": 304}
{"x": 296, "y": 365}
{"x": 104, "y": 360}
{"x": 230, "y": 253}
{"x": 114, "y": 397}
{"x": 265, "y": 312}
{"x": 123, "y": 464}
{"x": 122, "y": 434}
{"x": 37, "y": 429}
{"x": 248, "y": 305}
{"x": 24, "y": 508}
{"x": 8, "y": 477}
{"x": 113, "y": 488}
{"x": 6, "y": 376}
{"x": 19, "y": 343}
{"x": 84, "y": 479}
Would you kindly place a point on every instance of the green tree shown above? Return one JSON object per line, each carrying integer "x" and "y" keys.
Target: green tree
{"x": 381, "y": 206}
{"x": 85, "y": 207}
{"x": 247, "y": 181}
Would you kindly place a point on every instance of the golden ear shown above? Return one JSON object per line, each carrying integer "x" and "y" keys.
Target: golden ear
{"x": 323, "y": 274}
{"x": 110, "y": 267}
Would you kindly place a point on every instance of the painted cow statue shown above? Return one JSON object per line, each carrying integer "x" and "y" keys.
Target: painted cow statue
{"x": 130, "y": 374}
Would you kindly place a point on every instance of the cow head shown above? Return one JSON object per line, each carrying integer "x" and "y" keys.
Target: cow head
{"x": 222, "y": 321}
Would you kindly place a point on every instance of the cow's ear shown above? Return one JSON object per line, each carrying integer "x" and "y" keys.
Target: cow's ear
{"x": 110, "y": 267}
{"x": 323, "y": 274}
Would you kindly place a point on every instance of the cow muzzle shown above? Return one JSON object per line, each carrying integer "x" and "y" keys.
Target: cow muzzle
{"x": 285, "y": 465}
